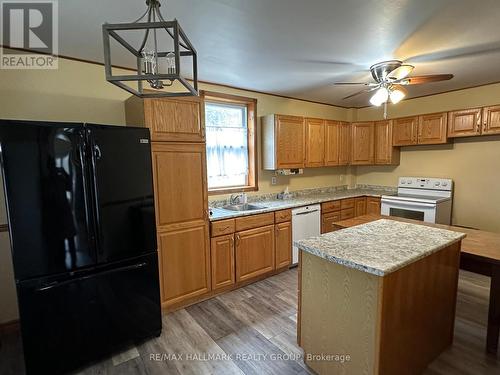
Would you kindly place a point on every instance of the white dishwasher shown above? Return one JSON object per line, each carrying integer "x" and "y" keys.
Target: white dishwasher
{"x": 306, "y": 222}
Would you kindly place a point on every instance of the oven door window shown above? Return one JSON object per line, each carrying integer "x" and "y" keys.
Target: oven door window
{"x": 407, "y": 214}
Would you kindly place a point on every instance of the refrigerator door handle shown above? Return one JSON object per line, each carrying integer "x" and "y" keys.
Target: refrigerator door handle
{"x": 95, "y": 153}
{"x": 49, "y": 286}
{"x": 81, "y": 154}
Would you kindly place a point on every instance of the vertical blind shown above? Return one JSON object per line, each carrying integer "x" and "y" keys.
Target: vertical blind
{"x": 227, "y": 145}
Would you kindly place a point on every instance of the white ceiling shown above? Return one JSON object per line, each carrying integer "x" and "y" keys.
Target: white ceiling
{"x": 298, "y": 48}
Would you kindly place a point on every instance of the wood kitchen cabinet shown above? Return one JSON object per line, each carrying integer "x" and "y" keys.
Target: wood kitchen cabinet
{"x": 385, "y": 152}
{"x": 362, "y": 144}
{"x": 328, "y": 221}
{"x": 332, "y": 143}
{"x": 432, "y": 129}
{"x": 283, "y": 142}
{"x": 184, "y": 261}
{"x": 491, "y": 120}
{"x": 345, "y": 143}
{"x": 255, "y": 252}
{"x": 464, "y": 123}
{"x": 404, "y": 131}
{"x": 372, "y": 205}
{"x": 360, "y": 206}
{"x": 315, "y": 142}
{"x": 283, "y": 244}
{"x": 222, "y": 261}
{"x": 168, "y": 119}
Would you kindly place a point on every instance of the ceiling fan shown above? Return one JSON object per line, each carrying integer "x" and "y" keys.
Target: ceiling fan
{"x": 391, "y": 77}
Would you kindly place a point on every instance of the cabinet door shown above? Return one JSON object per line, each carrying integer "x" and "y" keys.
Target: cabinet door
{"x": 315, "y": 142}
{"x": 328, "y": 221}
{"x": 432, "y": 129}
{"x": 345, "y": 143}
{"x": 362, "y": 145}
{"x": 283, "y": 239}
{"x": 290, "y": 142}
{"x": 184, "y": 257}
{"x": 372, "y": 206}
{"x": 385, "y": 153}
{"x": 360, "y": 206}
{"x": 254, "y": 252}
{"x": 222, "y": 257}
{"x": 491, "y": 120}
{"x": 179, "y": 177}
{"x": 177, "y": 120}
{"x": 464, "y": 123}
{"x": 404, "y": 131}
{"x": 332, "y": 143}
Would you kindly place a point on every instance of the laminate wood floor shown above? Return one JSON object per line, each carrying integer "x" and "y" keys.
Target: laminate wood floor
{"x": 252, "y": 331}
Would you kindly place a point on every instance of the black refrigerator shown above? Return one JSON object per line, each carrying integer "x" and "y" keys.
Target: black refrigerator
{"x": 81, "y": 216}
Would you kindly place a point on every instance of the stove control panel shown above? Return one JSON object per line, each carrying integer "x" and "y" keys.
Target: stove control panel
{"x": 427, "y": 183}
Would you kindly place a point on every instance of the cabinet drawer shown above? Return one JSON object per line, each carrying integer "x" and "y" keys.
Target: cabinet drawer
{"x": 328, "y": 221}
{"x": 347, "y": 214}
{"x": 254, "y": 221}
{"x": 282, "y": 216}
{"x": 330, "y": 206}
{"x": 347, "y": 203}
{"x": 221, "y": 227}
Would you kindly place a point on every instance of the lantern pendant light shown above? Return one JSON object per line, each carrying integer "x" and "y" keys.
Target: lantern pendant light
{"x": 161, "y": 46}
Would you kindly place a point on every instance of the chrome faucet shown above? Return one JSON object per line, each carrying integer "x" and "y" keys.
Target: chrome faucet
{"x": 237, "y": 198}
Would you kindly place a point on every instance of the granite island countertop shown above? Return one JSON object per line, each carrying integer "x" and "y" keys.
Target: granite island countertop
{"x": 269, "y": 205}
{"x": 379, "y": 247}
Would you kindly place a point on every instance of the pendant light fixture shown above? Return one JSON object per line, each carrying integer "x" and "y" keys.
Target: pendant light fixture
{"x": 157, "y": 47}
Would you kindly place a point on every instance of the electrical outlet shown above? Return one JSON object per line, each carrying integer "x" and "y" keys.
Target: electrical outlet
{"x": 273, "y": 180}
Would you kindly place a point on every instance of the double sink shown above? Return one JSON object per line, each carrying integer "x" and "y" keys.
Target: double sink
{"x": 243, "y": 207}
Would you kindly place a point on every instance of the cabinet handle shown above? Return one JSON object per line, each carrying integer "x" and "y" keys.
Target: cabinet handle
{"x": 232, "y": 242}
{"x": 237, "y": 240}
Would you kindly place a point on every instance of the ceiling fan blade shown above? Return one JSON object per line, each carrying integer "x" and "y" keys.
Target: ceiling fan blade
{"x": 417, "y": 80}
{"x": 359, "y": 93}
{"x": 402, "y": 72}
{"x": 352, "y": 83}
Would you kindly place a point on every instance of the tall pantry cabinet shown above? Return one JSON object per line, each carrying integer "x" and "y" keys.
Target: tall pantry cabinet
{"x": 181, "y": 202}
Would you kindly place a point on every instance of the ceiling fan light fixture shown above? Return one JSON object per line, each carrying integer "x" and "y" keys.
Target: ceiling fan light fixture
{"x": 402, "y": 72}
{"x": 380, "y": 97}
{"x": 397, "y": 94}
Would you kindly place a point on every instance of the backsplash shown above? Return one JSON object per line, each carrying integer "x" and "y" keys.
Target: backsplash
{"x": 218, "y": 203}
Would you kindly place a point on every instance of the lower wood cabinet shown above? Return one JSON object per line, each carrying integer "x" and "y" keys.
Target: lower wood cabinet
{"x": 283, "y": 241}
{"x": 373, "y": 206}
{"x": 222, "y": 257}
{"x": 184, "y": 260}
{"x": 254, "y": 252}
{"x": 328, "y": 221}
{"x": 360, "y": 206}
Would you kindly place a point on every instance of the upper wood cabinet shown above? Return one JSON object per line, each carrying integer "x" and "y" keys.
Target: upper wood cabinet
{"x": 179, "y": 177}
{"x": 385, "y": 153}
{"x": 283, "y": 240}
{"x": 283, "y": 142}
{"x": 315, "y": 142}
{"x": 491, "y": 120}
{"x": 332, "y": 142}
{"x": 404, "y": 131}
{"x": 255, "y": 254}
{"x": 184, "y": 261}
{"x": 222, "y": 261}
{"x": 345, "y": 143}
{"x": 168, "y": 119}
{"x": 464, "y": 123}
{"x": 432, "y": 129}
{"x": 362, "y": 145}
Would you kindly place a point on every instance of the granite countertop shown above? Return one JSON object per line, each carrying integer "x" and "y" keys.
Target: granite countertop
{"x": 270, "y": 205}
{"x": 379, "y": 247}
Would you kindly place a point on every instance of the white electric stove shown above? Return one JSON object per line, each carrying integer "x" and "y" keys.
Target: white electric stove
{"x": 421, "y": 198}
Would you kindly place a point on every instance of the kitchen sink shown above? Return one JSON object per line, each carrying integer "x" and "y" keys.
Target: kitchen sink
{"x": 242, "y": 207}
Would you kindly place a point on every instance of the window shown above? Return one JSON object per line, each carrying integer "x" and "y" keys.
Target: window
{"x": 231, "y": 147}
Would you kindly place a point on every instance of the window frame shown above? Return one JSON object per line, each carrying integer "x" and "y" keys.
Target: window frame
{"x": 251, "y": 106}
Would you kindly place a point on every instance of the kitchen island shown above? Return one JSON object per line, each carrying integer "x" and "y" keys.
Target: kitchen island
{"x": 378, "y": 298}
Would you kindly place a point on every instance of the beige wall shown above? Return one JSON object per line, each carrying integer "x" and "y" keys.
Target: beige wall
{"x": 473, "y": 163}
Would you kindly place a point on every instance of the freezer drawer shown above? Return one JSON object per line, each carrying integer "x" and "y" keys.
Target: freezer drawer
{"x": 67, "y": 323}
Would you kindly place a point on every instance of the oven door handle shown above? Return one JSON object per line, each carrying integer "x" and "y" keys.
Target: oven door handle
{"x": 407, "y": 204}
